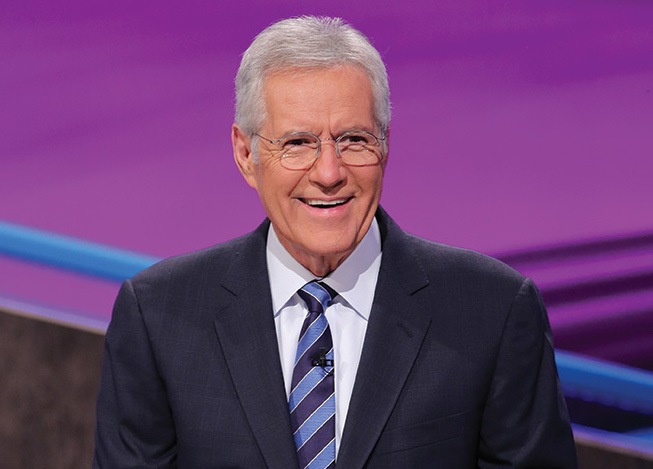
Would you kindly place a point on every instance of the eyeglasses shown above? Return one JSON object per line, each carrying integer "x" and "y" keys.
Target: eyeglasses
{"x": 299, "y": 150}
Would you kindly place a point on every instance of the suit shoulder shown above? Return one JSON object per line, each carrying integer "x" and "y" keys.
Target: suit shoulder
{"x": 444, "y": 259}
{"x": 217, "y": 258}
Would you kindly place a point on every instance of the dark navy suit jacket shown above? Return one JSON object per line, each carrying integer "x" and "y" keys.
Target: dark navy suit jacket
{"x": 457, "y": 368}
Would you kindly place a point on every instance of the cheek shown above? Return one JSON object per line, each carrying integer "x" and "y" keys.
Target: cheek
{"x": 276, "y": 188}
{"x": 372, "y": 184}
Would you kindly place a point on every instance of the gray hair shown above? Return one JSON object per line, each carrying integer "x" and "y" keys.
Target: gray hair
{"x": 306, "y": 42}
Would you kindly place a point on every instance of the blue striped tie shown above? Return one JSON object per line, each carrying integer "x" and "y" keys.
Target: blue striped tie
{"x": 312, "y": 399}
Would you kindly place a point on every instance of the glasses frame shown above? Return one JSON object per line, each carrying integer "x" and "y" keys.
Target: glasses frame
{"x": 379, "y": 140}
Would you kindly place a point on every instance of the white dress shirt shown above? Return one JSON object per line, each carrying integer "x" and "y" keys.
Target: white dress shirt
{"x": 355, "y": 282}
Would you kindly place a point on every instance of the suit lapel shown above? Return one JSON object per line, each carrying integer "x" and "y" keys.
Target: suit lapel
{"x": 395, "y": 333}
{"x": 245, "y": 329}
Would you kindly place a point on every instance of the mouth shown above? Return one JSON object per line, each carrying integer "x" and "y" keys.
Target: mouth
{"x": 326, "y": 204}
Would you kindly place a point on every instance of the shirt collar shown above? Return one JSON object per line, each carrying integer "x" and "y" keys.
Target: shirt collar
{"x": 354, "y": 280}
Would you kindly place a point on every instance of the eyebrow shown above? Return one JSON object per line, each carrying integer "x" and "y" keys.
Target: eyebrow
{"x": 333, "y": 135}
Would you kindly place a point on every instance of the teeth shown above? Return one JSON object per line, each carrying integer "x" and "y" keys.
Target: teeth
{"x": 324, "y": 203}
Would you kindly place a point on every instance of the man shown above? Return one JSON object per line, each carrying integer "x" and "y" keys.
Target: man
{"x": 328, "y": 333}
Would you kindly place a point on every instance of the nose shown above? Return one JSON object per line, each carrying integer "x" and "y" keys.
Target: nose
{"x": 328, "y": 172}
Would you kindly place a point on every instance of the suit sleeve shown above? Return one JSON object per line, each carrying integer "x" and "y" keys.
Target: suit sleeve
{"x": 525, "y": 421}
{"x": 134, "y": 422}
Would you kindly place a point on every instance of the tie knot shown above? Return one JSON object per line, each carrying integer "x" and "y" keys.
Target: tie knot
{"x": 317, "y": 296}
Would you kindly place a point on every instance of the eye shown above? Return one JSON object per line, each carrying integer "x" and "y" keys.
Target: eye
{"x": 357, "y": 140}
{"x": 295, "y": 141}
{"x": 299, "y": 140}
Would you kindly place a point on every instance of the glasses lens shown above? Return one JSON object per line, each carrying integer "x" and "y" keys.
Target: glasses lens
{"x": 359, "y": 148}
{"x": 298, "y": 150}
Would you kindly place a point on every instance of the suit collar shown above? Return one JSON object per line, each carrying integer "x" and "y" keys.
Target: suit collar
{"x": 395, "y": 333}
{"x": 245, "y": 328}
{"x": 398, "y": 252}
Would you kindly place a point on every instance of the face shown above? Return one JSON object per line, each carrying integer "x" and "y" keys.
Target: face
{"x": 320, "y": 214}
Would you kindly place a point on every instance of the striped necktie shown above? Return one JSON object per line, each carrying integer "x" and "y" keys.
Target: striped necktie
{"x": 312, "y": 399}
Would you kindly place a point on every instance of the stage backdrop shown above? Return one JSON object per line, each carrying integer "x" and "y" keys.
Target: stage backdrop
{"x": 515, "y": 124}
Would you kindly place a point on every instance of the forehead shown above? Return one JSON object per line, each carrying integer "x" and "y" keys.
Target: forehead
{"x": 312, "y": 99}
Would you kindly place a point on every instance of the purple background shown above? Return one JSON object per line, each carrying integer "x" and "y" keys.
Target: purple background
{"x": 516, "y": 124}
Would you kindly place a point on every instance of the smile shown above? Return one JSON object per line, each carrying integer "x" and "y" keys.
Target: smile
{"x": 317, "y": 203}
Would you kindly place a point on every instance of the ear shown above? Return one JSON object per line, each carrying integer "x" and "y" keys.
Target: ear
{"x": 243, "y": 156}
{"x": 387, "y": 146}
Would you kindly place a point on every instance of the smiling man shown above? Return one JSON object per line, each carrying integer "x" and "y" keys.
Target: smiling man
{"x": 328, "y": 334}
{"x": 321, "y": 209}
